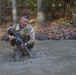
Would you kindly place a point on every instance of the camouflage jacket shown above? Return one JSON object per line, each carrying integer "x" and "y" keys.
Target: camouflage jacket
{"x": 27, "y": 33}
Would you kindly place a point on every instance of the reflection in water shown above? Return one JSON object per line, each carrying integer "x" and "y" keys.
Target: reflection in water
{"x": 51, "y": 57}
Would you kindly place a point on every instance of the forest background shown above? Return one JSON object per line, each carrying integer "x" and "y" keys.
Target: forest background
{"x": 52, "y": 19}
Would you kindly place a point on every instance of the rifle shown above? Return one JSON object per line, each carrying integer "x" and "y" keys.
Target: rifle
{"x": 18, "y": 39}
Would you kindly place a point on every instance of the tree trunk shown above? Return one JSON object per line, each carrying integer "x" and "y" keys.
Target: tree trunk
{"x": 6, "y": 3}
{"x": 40, "y": 13}
{"x": 14, "y": 11}
{"x": 0, "y": 12}
{"x": 73, "y": 11}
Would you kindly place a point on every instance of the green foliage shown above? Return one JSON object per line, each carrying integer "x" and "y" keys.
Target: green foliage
{"x": 51, "y": 8}
{"x": 31, "y": 2}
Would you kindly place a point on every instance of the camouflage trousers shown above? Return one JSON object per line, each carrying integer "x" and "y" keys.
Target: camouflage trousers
{"x": 19, "y": 52}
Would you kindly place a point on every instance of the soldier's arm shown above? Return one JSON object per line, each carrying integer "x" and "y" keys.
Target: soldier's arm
{"x": 9, "y": 36}
{"x": 32, "y": 36}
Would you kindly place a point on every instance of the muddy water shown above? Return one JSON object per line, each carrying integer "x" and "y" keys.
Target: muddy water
{"x": 51, "y": 57}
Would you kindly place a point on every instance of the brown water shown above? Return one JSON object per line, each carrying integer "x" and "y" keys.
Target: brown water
{"x": 52, "y": 57}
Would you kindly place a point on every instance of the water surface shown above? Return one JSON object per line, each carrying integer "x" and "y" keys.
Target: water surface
{"x": 51, "y": 57}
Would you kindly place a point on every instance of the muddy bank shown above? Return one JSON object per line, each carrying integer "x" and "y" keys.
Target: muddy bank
{"x": 51, "y": 57}
{"x": 55, "y": 32}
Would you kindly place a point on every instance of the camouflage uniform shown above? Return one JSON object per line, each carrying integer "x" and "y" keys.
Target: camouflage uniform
{"x": 28, "y": 35}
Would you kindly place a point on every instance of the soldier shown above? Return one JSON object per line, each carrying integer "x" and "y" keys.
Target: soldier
{"x": 27, "y": 33}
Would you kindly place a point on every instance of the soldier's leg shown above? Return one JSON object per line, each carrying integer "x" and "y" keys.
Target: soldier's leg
{"x": 17, "y": 52}
{"x": 24, "y": 52}
{"x": 30, "y": 46}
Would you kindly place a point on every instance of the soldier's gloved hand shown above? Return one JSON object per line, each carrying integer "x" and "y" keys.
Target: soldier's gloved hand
{"x": 11, "y": 37}
{"x": 25, "y": 43}
{"x": 22, "y": 45}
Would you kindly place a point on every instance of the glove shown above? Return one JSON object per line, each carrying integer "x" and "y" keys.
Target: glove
{"x": 25, "y": 43}
{"x": 22, "y": 45}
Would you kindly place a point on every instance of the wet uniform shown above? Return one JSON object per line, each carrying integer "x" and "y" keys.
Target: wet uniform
{"x": 28, "y": 35}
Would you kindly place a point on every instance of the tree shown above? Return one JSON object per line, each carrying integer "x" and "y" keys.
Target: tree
{"x": 7, "y": 3}
{"x": 0, "y": 12}
{"x": 73, "y": 10}
{"x": 40, "y": 13}
{"x": 14, "y": 11}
